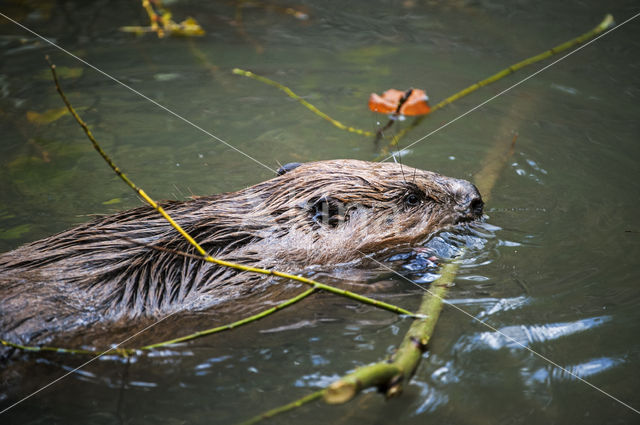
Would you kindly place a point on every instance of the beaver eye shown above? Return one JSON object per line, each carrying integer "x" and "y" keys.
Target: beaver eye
{"x": 412, "y": 199}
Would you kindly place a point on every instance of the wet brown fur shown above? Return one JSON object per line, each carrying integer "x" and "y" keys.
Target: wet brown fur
{"x": 320, "y": 213}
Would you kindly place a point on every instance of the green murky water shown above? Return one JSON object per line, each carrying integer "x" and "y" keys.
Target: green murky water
{"x": 559, "y": 273}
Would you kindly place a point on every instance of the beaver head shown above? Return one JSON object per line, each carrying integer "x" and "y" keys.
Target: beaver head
{"x": 335, "y": 211}
{"x": 324, "y": 212}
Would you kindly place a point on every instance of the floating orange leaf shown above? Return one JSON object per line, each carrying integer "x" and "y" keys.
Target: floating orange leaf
{"x": 412, "y": 102}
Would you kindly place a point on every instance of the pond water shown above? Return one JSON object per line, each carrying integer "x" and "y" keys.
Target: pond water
{"x": 555, "y": 266}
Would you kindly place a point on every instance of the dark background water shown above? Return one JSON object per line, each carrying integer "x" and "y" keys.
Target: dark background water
{"x": 559, "y": 273}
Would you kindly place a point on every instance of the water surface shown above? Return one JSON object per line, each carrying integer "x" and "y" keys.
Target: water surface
{"x": 555, "y": 267}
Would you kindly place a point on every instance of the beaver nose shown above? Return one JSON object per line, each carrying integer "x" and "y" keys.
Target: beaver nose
{"x": 476, "y": 205}
{"x": 470, "y": 200}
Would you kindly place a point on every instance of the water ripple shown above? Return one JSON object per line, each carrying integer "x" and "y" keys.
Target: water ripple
{"x": 514, "y": 337}
{"x": 545, "y": 375}
{"x": 477, "y": 240}
{"x": 529, "y": 169}
{"x": 316, "y": 380}
{"x": 431, "y": 398}
{"x": 492, "y": 306}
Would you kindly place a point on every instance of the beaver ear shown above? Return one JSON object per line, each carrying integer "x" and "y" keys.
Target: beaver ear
{"x": 288, "y": 167}
{"x": 327, "y": 210}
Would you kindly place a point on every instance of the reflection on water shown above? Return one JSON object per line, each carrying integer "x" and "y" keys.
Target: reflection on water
{"x": 422, "y": 263}
{"x": 515, "y": 337}
{"x": 554, "y": 265}
{"x": 316, "y": 381}
{"x": 583, "y": 370}
{"x": 491, "y": 306}
{"x": 430, "y": 398}
{"x": 530, "y": 169}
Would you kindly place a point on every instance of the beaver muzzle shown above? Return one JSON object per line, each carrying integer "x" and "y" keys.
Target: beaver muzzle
{"x": 470, "y": 205}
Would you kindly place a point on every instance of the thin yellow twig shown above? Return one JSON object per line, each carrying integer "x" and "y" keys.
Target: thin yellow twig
{"x": 287, "y": 407}
{"x": 125, "y": 352}
{"x": 233, "y": 325}
{"x": 602, "y": 26}
{"x": 306, "y": 104}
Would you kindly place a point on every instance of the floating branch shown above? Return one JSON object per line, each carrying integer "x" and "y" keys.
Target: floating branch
{"x": 606, "y": 23}
{"x": 35, "y": 348}
{"x": 389, "y": 375}
{"x": 306, "y": 104}
{"x": 233, "y": 325}
{"x": 386, "y": 375}
{"x": 286, "y": 408}
{"x": 125, "y": 352}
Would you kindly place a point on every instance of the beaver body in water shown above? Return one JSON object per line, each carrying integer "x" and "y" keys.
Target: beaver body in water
{"x": 327, "y": 212}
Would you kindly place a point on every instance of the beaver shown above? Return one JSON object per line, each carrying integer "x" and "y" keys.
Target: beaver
{"x": 319, "y": 213}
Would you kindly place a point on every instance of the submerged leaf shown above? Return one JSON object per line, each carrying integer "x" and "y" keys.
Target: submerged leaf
{"x": 136, "y": 29}
{"x": 63, "y": 72}
{"x": 47, "y": 116}
{"x": 112, "y": 201}
{"x": 15, "y": 232}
